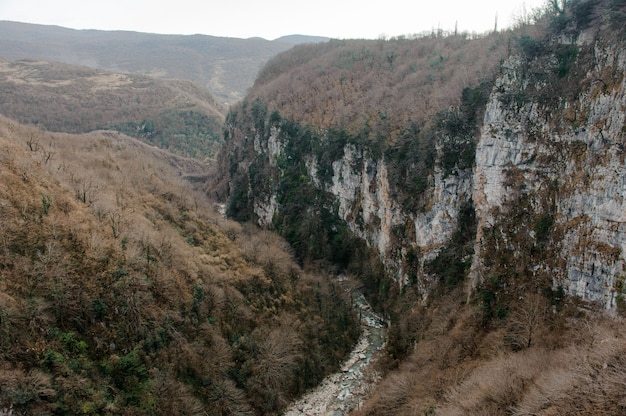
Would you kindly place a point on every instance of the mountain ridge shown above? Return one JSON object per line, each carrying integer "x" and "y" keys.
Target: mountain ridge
{"x": 177, "y": 115}
{"x": 226, "y": 66}
{"x": 473, "y": 185}
{"x": 360, "y": 122}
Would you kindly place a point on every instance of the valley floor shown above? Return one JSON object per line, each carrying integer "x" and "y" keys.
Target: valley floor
{"x": 347, "y": 389}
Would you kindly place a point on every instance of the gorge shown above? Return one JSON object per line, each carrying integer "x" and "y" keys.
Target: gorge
{"x": 547, "y": 147}
{"x": 476, "y": 186}
{"x": 430, "y": 224}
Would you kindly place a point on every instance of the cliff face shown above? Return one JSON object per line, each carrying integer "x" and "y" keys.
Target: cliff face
{"x": 360, "y": 184}
{"x": 566, "y": 153}
{"x": 546, "y": 185}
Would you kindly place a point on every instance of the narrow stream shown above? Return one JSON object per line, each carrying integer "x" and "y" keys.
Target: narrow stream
{"x": 346, "y": 389}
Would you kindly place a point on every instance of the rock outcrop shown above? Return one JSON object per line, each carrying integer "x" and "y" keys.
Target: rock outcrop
{"x": 547, "y": 184}
{"x": 568, "y": 148}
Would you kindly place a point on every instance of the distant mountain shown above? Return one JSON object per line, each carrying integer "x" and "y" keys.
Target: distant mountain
{"x": 226, "y": 66}
{"x": 298, "y": 39}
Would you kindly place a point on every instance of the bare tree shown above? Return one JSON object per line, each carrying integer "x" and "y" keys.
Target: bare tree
{"x": 33, "y": 142}
{"x": 117, "y": 223}
{"x": 526, "y": 320}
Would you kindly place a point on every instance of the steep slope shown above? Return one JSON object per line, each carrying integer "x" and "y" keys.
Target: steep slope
{"x": 176, "y": 115}
{"x": 366, "y": 131}
{"x": 375, "y": 90}
{"x": 122, "y": 291}
{"x": 226, "y": 66}
{"x": 342, "y": 122}
{"x": 551, "y": 150}
{"x": 488, "y": 226}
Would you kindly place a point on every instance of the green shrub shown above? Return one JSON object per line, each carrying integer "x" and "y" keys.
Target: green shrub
{"x": 566, "y": 56}
{"x": 530, "y": 47}
{"x": 543, "y": 227}
{"x": 453, "y": 261}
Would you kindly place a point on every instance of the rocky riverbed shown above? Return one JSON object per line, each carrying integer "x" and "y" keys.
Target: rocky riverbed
{"x": 345, "y": 390}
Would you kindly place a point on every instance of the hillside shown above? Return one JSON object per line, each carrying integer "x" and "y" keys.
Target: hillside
{"x": 376, "y": 89}
{"x": 122, "y": 290}
{"x": 225, "y": 66}
{"x": 475, "y": 185}
{"x": 173, "y": 114}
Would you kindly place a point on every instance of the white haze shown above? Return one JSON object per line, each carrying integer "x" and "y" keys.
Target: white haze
{"x": 271, "y": 18}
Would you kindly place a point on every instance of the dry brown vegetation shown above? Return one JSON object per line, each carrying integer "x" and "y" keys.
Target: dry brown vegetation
{"x": 90, "y": 97}
{"x": 122, "y": 291}
{"x": 377, "y": 87}
{"x": 173, "y": 114}
{"x": 460, "y": 366}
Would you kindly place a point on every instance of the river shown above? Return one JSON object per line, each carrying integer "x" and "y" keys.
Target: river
{"x": 346, "y": 389}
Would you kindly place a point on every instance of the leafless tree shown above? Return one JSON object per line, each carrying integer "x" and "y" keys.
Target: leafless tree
{"x": 526, "y": 320}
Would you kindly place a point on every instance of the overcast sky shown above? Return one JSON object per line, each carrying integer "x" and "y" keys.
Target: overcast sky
{"x": 270, "y": 18}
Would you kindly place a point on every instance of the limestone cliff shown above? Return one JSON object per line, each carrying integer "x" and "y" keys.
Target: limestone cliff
{"x": 540, "y": 166}
{"x": 566, "y": 147}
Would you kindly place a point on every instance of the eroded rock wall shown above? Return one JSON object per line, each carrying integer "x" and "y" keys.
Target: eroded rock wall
{"x": 570, "y": 149}
{"x": 552, "y": 137}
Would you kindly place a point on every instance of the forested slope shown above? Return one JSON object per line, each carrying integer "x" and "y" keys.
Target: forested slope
{"x": 176, "y": 115}
{"x": 122, "y": 291}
